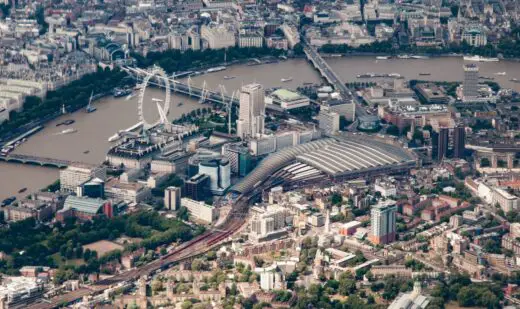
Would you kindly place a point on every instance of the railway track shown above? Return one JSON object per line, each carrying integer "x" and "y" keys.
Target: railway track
{"x": 192, "y": 248}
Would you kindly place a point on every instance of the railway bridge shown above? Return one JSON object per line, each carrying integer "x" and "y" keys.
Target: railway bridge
{"x": 203, "y": 94}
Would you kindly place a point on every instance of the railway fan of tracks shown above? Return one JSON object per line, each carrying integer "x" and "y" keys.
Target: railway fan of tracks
{"x": 192, "y": 248}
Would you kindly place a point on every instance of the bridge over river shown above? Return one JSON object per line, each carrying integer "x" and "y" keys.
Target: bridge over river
{"x": 35, "y": 160}
{"x": 332, "y": 77}
{"x": 203, "y": 94}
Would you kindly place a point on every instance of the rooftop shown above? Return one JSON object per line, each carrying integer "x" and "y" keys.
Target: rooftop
{"x": 351, "y": 155}
{"x": 84, "y": 204}
{"x": 505, "y": 194}
{"x": 117, "y": 184}
{"x": 383, "y": 205}
{"x": 18, "y": 285}
{"x": 347, "y": 155}
{"x": 287, "y": 95}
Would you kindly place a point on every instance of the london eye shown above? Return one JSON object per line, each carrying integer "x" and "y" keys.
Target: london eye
{"x": 157, "y": 76}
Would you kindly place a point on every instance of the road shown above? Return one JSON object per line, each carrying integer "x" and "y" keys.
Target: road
{"x": 333, "y": 78}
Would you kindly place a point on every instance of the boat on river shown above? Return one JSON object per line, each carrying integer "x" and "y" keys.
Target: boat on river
{"x": 216, "y": 69}
{"x": 8, "y": 201}
{"x": 66, "y": 122}
{"x": 69, "y": 131}
{"x": 117, "y": 93}
{"x": 114, "y": 137}
{"x": 480, "y": 59}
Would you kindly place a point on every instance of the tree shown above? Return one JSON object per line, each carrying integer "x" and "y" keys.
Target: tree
{"x": 233, "y": 290}
{"x": 418, "y": 135}
{"x": 336, "y": 198}
{"x": 157, "y": 285}
{"x": 40, "y": 19}
{"x": 492, "y": 246}
{"x": 186, "y": 304}
{"x": 261, "y": 305}
{"x": 5, "y": 9}
{"x": 197, "y": 265}
{"x": 392, "y": 130}
{"x": 182, "y": 288}
{"x": 183, "y": 213}
{"x": 391, "y": 288}
{"x": 347, "y": 284}
{"x": 63, "y": 274}
{"x": 259, "y": 262}
{"x": 465, "y": 297}
{"x": 436, "y": 303}
{"x": 67, "y": 240}
{"x": 211, "y": 255}
{"x": 298, "y": 49}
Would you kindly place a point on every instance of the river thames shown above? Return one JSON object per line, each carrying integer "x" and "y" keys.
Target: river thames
{"x": 90, "y": 143}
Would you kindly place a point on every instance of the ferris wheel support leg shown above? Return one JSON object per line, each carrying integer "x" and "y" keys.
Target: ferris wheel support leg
{"x": 189, "y": 86}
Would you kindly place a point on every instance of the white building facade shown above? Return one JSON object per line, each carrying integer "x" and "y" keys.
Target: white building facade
{"x": 252, "y": 111}
{"x": 76, "y": 174}
{"x": 200, "y": 210}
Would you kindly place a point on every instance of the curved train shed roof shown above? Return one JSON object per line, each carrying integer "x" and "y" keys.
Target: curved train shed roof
{"x": 334, "y": 157}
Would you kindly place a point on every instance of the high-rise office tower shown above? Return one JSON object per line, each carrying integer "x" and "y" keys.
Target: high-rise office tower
{"x": 252, "y": 111}
{"x": 435, "y": 144}
{"x": 444, "y": 139}
{"x": 197, "y": 187}
{"x": 383, "y": 222}
{"x": 329, "y": 121}
{"x": 172, "y": 198}
{"x": 459, "y": 142}
{"x": 470, "y": 81}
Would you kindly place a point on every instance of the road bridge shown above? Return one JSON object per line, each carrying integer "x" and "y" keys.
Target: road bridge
{"x": 35, "y": 160}
{"x": 332, "y": 78}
